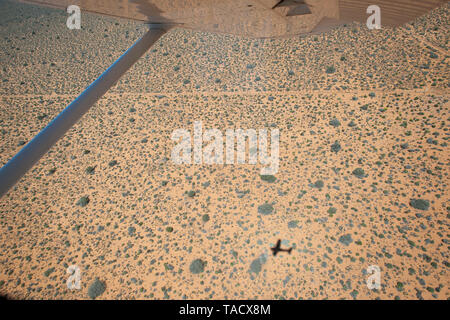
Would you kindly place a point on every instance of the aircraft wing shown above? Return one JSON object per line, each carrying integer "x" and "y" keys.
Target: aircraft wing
{"x": 393, "y": 12}
{"x": 253, "y": 18}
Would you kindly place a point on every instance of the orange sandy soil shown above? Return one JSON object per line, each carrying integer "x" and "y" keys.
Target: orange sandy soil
{"x": 140, "y": 231}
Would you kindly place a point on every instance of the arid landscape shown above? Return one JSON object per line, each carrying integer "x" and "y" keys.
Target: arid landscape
{"x": 363, "y": 179}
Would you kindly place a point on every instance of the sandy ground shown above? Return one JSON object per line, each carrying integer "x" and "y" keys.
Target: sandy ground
{"x": 358, "y": 144}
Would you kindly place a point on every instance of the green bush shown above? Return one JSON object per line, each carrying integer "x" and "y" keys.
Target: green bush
{"x": 96, "y": 288}
{"x": 330, "y": 69}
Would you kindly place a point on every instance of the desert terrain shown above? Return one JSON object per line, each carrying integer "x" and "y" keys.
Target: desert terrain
{"x": 364, "y": 163}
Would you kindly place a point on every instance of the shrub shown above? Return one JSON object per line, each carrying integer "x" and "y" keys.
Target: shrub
{"x": 330, "y": 69}
{"x": 83, "y": 201}
{"x": 197, "y": 266}
{"x": 191, "y": 194}
{"x": 96, "y": 288}
{"x": 90, "y": 170}
{"x": 336, "y": 147}
{"x": 420, "y": 204}
{"x": 335, "y": 123}
{"x": 112, "y": 163}
{"x": 319, "y": 184}
{"x": 268, "y": 178}
{"x": 265, "y": 209}
{"x": 359, "y": 173}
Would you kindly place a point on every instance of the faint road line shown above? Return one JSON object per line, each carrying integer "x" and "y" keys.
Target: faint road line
{"x": 442, "y": 91}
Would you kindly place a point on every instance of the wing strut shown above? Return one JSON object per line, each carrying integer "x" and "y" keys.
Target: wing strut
{"x": 12, "y": 171}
